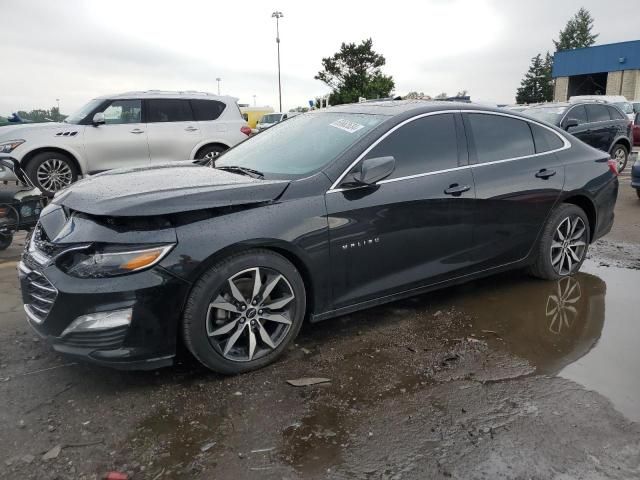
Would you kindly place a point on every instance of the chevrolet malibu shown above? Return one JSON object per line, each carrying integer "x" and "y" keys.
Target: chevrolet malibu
{"x": 322, "y": 215}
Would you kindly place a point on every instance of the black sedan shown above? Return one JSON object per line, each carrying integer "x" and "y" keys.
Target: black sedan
{"x": 322, "y": 215}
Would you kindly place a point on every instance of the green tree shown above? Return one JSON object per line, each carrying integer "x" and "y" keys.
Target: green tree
{"x": 532, "y": 86}
{"x": 546, "y": 78}
{"x": 354, "y": 72}
{"x": 577, "y": 32}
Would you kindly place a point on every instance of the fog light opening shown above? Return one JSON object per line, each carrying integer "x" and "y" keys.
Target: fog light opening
{"x": 100, "y": 321}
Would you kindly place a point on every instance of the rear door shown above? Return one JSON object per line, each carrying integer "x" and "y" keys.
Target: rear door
{"x": 518, "y": 179}
{"x": 172, "y": 130}
{"x": 121, "y": 141}
{"x": 413, "y": 227}
{"x": 603, "y": 129}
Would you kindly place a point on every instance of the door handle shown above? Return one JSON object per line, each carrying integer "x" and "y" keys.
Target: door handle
{"x": 545, "y": 174}
{"x": 456, "y": 190}
{"x": 191, "y": 129}
{"x": 137, "y": 131}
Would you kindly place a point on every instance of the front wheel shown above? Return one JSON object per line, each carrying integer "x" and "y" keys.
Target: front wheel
{"x": 563, "y": 243}
{"x": 51, "y": 171}
{"x": 5, "y": 240}
{"x": 620, "y": 154}
{"x": 244, "y": 312}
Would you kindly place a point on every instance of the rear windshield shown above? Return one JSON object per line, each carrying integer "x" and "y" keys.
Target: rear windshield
{"x": 302, "y": 145}
{"x": 626, "y": 107}
{"x": 271, "y": 118}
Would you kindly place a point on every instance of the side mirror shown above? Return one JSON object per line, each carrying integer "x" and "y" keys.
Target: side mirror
{"x": 98, "y": 119}
{"x": 372, "y": 170}
{"x": 570, "y": 123}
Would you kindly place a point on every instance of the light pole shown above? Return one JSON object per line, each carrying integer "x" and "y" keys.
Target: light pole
{"x": 254, "y": 100}
{"x": 58, "y": 102}
{"x": 278, "y": 15}
{"x": 218, "y": 80}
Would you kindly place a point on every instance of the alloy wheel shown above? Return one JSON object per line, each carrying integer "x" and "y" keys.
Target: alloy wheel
{"x": 620, "y": 156}
{"x": 211, "y": 155}
{"x": 251, "y": 314}
{"x": 561, "y": 311}
{"x": 569, "y": 245}
{"x": 54, "y": 174}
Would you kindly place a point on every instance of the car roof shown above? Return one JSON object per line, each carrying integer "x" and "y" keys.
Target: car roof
{"x": 185, "y": 94}
{"x": 397, "y": 107}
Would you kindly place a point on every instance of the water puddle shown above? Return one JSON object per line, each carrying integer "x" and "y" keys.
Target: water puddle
{"x": 584, "y": 328}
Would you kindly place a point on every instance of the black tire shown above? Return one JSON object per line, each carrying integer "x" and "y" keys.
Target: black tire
{"x": 638, "y": 192}
{"x": 198, "y": 327}
{"x": 5, "y": 241}
{"x": 543, "y": 265}
{"x": 620, "y": 154}
{"x": 39, "y": 164}
{"x": 209, "y": 152}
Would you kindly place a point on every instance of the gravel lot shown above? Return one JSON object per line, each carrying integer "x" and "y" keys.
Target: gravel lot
{"x": 477, "y": 381}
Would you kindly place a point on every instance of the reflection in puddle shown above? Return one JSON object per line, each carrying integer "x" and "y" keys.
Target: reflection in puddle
{"x": 583, "y": 328}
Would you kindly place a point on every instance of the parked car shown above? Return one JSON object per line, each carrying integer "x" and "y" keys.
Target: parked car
{"x": 635, "y": 177}
{"x": 327, "y": 213}
{"x": 270, "y": 119}
{"x": 134, "y": 129}
{"x": 600, "y": 125}
{"x": 636, "y": 130}
{"x": 636, "y": 106}
{"x": 618, "y": 100}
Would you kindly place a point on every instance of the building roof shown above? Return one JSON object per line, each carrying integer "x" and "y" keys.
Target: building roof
{"x": 601, "y": 58}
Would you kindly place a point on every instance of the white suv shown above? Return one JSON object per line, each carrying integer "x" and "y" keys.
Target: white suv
{"x": 127, "y": 130}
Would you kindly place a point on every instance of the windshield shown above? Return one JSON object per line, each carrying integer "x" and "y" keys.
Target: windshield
{"x": 626, "y": 107}
{"x": 271, "y": 118}
{"x": 547, "y": 114}
{"x": 81, "y": 114}
{"x": 302, "y": 145}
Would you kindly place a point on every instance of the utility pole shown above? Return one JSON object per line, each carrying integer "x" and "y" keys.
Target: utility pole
{"x": 218, "y": 80}
{"x": 278, "y": 15}
{"x": 254, "y": 100}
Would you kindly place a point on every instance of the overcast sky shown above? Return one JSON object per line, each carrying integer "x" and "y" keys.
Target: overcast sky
{"x": 75, "y": 50}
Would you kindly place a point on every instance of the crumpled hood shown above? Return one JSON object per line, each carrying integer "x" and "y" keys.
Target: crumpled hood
{"x": 163, "y": 189}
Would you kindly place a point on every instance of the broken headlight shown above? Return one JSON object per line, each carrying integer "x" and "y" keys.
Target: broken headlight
{"x": 111, "y": 261}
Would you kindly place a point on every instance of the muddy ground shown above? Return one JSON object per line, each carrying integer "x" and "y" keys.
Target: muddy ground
{"x": 507, "y": 377}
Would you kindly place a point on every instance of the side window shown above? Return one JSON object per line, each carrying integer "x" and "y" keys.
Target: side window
{"x": 597, "y": 113}
{"x": 423, "y": 145}
{"x": 123, "y": 111}
{"x": 579, "y": 114}
{"x": 497, "y": 137}
{"x": 204, "y": 110}
{"x": 168, "y": 110}
{"x": 615, "y": 114}
{"x": 545, "y": 139}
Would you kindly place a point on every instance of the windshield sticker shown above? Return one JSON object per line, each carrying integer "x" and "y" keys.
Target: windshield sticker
{"x": 346, "y": 125}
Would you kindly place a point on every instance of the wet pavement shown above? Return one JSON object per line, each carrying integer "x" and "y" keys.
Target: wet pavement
{"x": 507, "y": 377}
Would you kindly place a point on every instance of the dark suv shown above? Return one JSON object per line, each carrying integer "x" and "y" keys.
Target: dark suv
{"x": 600, "y": 125}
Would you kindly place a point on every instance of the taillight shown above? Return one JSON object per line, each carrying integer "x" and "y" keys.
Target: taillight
{"x": 246, "y": 130}
{"x": 613, "y": 166}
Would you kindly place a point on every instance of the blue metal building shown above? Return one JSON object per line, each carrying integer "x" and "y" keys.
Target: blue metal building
{"x": 612, "y": 69}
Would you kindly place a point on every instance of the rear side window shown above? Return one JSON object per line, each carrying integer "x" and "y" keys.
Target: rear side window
{"x": 168, "y": 110}
{"x": 498, "y": 138}
{"x": 424, "y": 145}
{"x": 204, "y": 110}
{"x": 579, "y": 114}
{"x": 597, "y": 113}
{"x": 544, "y": 139}
{"x": 616, "y": 114}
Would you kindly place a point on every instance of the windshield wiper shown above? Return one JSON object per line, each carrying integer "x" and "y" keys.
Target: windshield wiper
{"x": 250, "y": 172}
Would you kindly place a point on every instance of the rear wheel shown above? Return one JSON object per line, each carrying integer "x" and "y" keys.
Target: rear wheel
{"x": 244, "y": 312}
{"x": 563, "y": 244}
{"x": 638, "y": 192}
{"x": 51, "y": 171}
{"x": 210, "y": 152}
{"x": 620, "y": 154}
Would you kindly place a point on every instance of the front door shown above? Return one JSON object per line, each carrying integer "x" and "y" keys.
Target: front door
{"x": 173, "y": 131}
{"x": 121, "y": 141}
{"x": 410, "y": 229}
{"x": 518, "y": 181}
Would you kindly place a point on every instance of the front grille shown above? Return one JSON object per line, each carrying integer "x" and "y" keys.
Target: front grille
{"x": 39, "y": 295}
